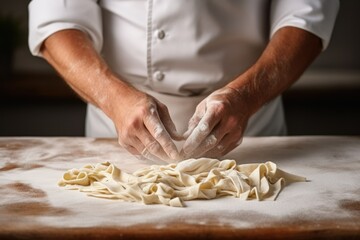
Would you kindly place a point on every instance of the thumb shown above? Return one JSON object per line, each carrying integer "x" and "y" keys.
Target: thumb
{"x": 193, "y": 122}
{"x": 168, "y": 123}
{"x": 195, "y": 119}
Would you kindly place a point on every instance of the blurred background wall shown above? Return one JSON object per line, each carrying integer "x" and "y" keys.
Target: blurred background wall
{"x": 325, "y": 101}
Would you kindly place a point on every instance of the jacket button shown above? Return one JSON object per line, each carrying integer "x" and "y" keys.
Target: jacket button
{"x": 159, "y": 75}
{"x": 160, "y": 34}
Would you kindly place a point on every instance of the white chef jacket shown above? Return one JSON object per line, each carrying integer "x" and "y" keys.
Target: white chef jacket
{"x": 179, "y": 51}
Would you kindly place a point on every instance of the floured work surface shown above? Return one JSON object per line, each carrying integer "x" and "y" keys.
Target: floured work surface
{"x": 32, "y": 205}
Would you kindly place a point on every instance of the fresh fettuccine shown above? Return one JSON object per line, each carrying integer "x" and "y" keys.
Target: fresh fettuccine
{"x": 172, "y": 184}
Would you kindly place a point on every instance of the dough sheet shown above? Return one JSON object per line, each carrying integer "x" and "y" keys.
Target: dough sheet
{"x": 173, "y": 184}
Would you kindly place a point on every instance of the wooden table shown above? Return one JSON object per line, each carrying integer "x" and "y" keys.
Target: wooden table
{"x": 32, "y": 206}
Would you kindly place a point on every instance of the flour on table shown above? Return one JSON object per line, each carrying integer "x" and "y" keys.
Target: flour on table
{"x": 173, "y": 184}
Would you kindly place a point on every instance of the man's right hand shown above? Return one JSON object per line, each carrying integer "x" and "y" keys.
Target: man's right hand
{"x": 145, "y": 128}
{"x": 144, "y": 125}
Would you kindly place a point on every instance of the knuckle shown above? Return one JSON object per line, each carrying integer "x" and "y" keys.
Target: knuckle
{"x": 159, "y": 131}
{"x": 233, "y": 124}
{"x": 146, "y": 108}
{"x": 127, "y": 133}
{"x": 151, "y": 107}
{"x": 210, "y": 141}
{"x": 149, "y": 117}
{"x": 168, "y": 145}
{"x": 153, "y": 147}
{"x": 203, "y": 127}
{"x": 220, "y": 106}
{"x": 193, "y": 122}
{"x": 220, "y": 148}
{"x": 143, "y": 111}
{"x": 132, "y": 122}
{"x": 208, "y": 144}
{"x": 146, "y": 153}
{"x": 132, "y": 125}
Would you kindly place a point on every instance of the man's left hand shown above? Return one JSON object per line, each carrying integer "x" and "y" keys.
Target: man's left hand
{"x": 217, "y": 125}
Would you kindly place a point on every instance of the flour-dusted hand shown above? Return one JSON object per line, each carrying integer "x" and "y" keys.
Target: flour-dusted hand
{"x": 143, "y": 124}
{"x": 145, "y": 128}
{"x": 217, "y": 125}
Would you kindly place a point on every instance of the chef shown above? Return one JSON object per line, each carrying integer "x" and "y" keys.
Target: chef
{"x": 204, "y": 71}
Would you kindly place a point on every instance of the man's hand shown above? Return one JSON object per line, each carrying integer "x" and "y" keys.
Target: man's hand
{"x": 217, "y": 126}
{"x": 220, "y": 120}
{"x": 145, "y": 128}
{"x": 143, "y": 124}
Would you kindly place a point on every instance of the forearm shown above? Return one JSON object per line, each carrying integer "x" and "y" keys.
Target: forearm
{"x": 143, "y": 124}
{"x": 286, "y": 57}
{"x": 71, "y": 53}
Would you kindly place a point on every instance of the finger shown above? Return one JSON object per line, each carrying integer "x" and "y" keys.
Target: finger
{"x": 210, "y": 141}
{"x": 140, "y": 151}
{"x": 132, "y": 150}
{"x": 168, "y": 123}
{"x": 161, "y": 136}
{"x": 227, "y": 144}
{"x": 130, "y": 147}
{"x": 144, "y": 140}
{"x": 233, "y": 134}
{"x": 148, "y": 156}
{"x": 231, "y": 147}
{"x": 194, "y": 120}
{"x": 205, "y": 126}
{"x": 151, "y": 145}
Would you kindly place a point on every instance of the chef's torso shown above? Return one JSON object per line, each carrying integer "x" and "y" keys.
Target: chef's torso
{"x": 183, "y": 47}
{"x": 180, "y": 51}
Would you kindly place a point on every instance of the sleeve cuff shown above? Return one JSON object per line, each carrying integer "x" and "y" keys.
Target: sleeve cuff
{"x": 315, "y": 16}
{"x": 47, "y": 17}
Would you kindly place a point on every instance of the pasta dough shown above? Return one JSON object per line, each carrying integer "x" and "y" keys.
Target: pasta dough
{"x": 172, "y": 184}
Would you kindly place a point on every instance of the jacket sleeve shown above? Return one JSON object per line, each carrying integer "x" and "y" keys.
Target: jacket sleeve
{"x": 315, "y": 16}
{"x": 49, "y": 16}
